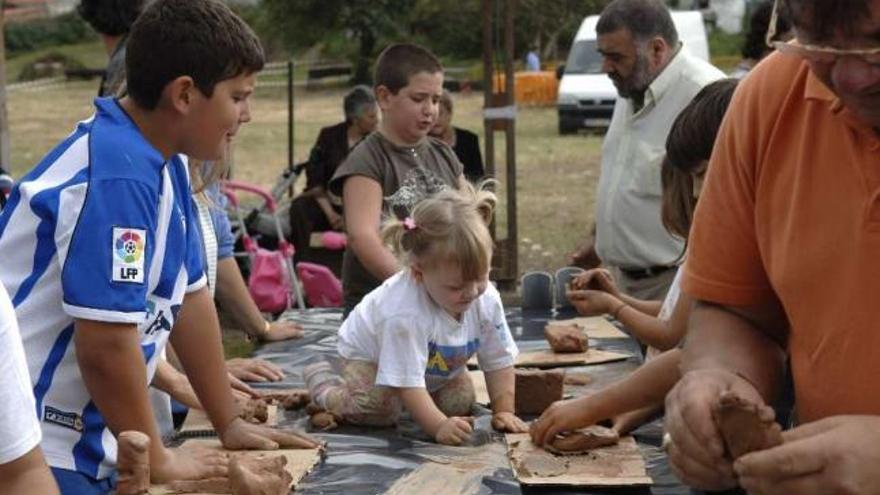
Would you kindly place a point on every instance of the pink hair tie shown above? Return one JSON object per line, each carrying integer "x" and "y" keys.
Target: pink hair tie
{"x": 409, "y": 223}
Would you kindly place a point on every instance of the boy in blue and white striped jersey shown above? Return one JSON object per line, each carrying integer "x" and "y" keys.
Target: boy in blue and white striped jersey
{"x": 102, "y": 257}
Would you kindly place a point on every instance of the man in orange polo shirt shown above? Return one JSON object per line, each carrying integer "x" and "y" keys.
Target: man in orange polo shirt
{"x": 784, "y": 259}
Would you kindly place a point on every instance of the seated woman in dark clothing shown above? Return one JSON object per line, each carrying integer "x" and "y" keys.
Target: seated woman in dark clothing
{"x": 315, "y": 210}
{"x": 465, "y": 143}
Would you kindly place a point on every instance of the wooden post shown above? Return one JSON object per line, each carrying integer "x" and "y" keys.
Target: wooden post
{"x": 4, "y": 118}
{"x": 500, "y": 116}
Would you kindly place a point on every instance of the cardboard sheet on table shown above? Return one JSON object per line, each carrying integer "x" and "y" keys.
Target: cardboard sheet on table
{"x": 618, "y": 465}
{"x": 461, "y": 474}
{"x": 197, "y": 420}
{"x": 597, "y": 327}
{"x": 299, "y": 461}
{"x": 546, "y": 358}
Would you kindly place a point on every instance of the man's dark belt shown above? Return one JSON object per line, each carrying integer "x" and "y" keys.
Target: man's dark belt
{"x": 642, "y": 273}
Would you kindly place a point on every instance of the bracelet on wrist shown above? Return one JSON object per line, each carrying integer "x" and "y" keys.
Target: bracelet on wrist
{"x": 262, "y": 334}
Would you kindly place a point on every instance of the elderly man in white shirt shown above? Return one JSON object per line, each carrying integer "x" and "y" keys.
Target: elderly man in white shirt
{"x": 656, "y": 78}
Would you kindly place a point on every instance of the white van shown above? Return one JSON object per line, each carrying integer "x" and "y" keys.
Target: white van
{"x": 586, "y": 94}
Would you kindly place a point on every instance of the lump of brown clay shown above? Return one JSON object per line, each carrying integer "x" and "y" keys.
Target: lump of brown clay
{"x": 583, "y": 440}
{"x": 537, "y": 389}
{"x": 324, "y": 421}
{"x": 264, "y": 476}
{"x": 207, "y": 485}
{"x": 133, "y": 463}
{"x": 289, "y": 399}
{"x": 741, "y": 426}
{"x": 566, "y": 338}
{"x": 253, "y": 410}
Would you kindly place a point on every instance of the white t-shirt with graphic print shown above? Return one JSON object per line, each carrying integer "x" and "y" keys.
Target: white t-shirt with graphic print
{"x": 415, "y": 343}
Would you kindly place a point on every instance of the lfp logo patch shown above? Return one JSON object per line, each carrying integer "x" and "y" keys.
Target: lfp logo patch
{"x": 128, "y": 254}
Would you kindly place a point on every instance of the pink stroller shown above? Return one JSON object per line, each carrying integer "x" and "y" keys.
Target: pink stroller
{"x": 272, "y": 278}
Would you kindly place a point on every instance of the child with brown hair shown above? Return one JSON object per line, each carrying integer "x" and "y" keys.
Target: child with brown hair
{"x": 630, "y": 401}
{"x": 101, "y": 253}
{"x": 393, "y": 169}
{"x": 407, "y": 344}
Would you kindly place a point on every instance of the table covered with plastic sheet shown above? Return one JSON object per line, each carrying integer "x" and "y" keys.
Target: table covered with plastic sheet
{"x": 404, "y": 460}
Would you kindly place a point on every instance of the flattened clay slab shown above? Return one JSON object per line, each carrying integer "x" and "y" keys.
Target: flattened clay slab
{"x": 566, "y": 338}
{"x": 742, "y": 427}
{"x": 583, "y": 440}
{"x": 197, "y": 420}
{"x": 537, "y": 389}
{"x": 597, "y": 327}
{"x": 617, "y": 465}
{"x": 299, "y": 463}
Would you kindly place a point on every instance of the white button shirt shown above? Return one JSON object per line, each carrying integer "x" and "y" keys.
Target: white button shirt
{"x": 629, "y": 232}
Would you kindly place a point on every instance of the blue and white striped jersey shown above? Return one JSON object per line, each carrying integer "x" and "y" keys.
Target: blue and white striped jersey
{"x": 102, "y": 229}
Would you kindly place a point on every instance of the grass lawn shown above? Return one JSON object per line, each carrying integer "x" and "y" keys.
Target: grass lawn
{"x": 556, "y": 175}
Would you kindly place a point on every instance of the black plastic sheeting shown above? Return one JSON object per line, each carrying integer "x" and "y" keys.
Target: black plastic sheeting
{"x": 364, "y": 460}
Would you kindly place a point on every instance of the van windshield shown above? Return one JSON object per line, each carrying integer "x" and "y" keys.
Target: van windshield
{"x": 584, "y": 58}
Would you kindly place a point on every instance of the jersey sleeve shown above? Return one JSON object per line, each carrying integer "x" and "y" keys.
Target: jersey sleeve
{"x": 403, "y": 354}
{"x": 105, "y": 273}
{"x": 497, "y": 348}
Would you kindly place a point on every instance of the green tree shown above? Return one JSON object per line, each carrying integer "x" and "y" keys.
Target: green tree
{"x": 550, "y": 24}
{"x": 302, "y": 23}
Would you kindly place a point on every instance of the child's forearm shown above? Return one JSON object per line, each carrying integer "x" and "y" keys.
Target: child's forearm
{"x": 374, "y": 255}
{"x": 422, "y": 408}
{"x": 196, "y": 340}
{"x": 112, "y": 366}
{"x": 175, "y": 384}
{"x": 646, "y": 386}
{"x": 501, "y": 385}
{"x": 27, "y": 474}
{"x": 649, "y": 330}
{"x": 233, "y": 295}
{"x": 651, "y": 308}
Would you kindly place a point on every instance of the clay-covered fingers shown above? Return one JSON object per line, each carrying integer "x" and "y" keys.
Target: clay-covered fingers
{"x": 768, "y": 470}
{"x": 241, "y": 435}
{"x": 508, "y": 422}
{"x": 193, "y": 464}
{"x": 551, "y": 423}
{"x": 286, "y": 438}
{"x": 696, "y": 474}
{"x": 696, "y": 452}
{"x": 455, "y": 430}
{"x": 242, "y": 389}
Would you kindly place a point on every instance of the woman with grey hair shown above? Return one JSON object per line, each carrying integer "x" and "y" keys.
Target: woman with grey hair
{"x": 315, "y": 209}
